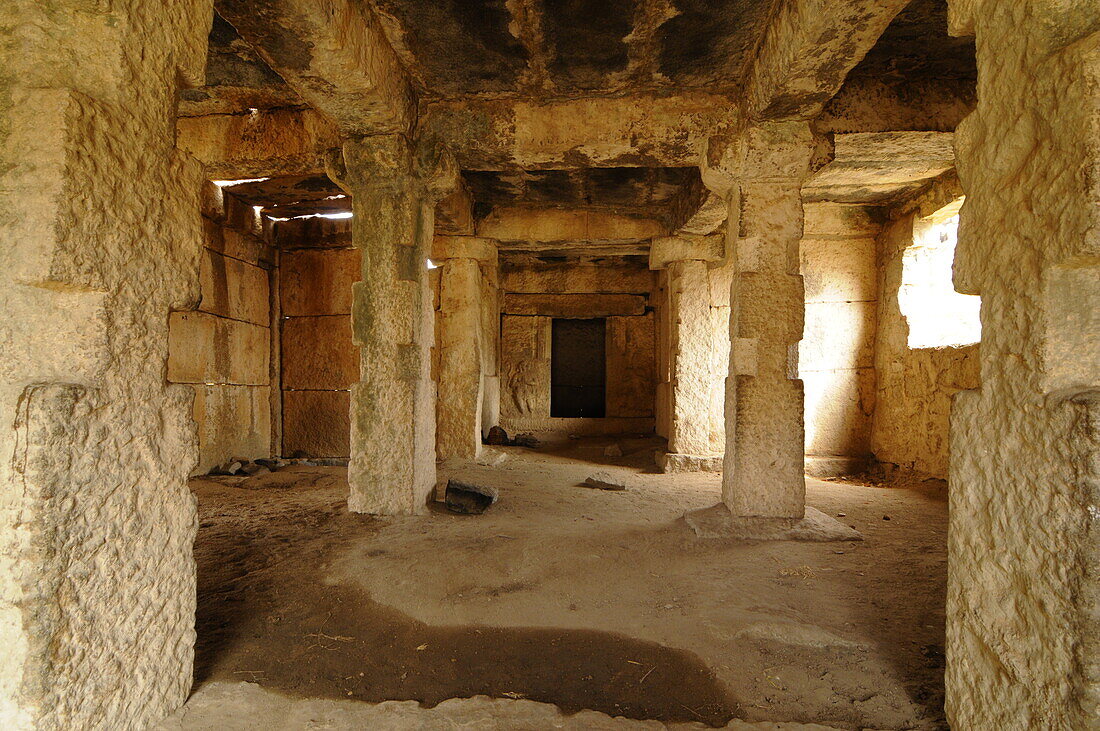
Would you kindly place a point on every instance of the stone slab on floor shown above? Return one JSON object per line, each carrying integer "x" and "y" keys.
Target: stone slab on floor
{"x": 716, "y": 522}
{"x": 247, "y": 706}
{"x": 673, "y": 463}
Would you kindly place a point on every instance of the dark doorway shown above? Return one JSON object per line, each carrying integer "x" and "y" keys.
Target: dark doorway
{"x": 577, "y": 368}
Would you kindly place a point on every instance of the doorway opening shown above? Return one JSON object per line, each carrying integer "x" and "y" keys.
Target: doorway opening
{"x": 578, "y": 380}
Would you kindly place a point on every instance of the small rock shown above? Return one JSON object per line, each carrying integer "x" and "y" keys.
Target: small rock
{"x": 497, "y": 437}
{"x": 525, "y": 440}
{"x": 271, "y": 464}
{"x": 613, "y": 450}
{"x": 886, "y": 517}
{"x": 231, "y": 467}
{"x": 254, "y": 468}
{"x": 842, "y": 515}
{"x": 605, "y": 481}
{"x": 469, "y": 499}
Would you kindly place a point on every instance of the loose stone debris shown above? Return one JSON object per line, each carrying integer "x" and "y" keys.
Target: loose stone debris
{"x": 469, "y": 499}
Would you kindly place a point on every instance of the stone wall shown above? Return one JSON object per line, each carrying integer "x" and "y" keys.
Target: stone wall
{"x": 533, "y": 292}
{"x": 99, "y": 215}
{"x": 223, "y": 348}
{"x": 915, "y": 386}
{"x": 836, "y": 354}
{"x": 1023, "y": 634}
{"x": 317, "y": 268}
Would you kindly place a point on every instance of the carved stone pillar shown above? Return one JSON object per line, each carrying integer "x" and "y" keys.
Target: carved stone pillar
{"x": 394, "y": 186}
{"x": 463, "y": 342}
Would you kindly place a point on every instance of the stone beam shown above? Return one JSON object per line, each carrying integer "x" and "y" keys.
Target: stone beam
{"x": 265, "y": 143}
{"x": 556, "y": 226}
{"x": 334, "y": 55}
{"x": 879, "y": 166}
{"x": 808, "y": 50}
{"x": 635, "y": 131}
{"x": 879, "y": 105}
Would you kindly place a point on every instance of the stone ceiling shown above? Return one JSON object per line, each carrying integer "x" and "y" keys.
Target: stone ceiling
{"x": 460, "y": 48}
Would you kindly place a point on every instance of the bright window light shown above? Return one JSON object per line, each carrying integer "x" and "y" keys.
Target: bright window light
{"x": 431, "y": 264}
{"x": 335, "y": 216}
{"x": 240, "y": 181}
{"x": 937, "y": 315}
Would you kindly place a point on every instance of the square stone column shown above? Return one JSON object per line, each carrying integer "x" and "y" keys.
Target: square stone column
{"x": 1023, "y": 586}
{"x": 692, "y": 340}
{"x": 462, "y": 342}
{"x": 101, "y": 239}
{"x": 763, "y": 473}
{"x": 392, "y": 470}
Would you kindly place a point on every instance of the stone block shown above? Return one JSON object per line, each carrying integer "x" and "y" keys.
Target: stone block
{"x": 463, "y": 247}
{"x": 204, "y": 348}
{"x": 839, "y": 220}
{"x": 631, "y": 366}
{"x": 672, "y": 463}
{"x": 232, "y": 288}
{"x": 524, "y": 367}
{"x": 318, "y": 353}
{"x": 573, "y": 305}
{"x": 839, "y": 270}
{"x": 316, "y": 423}
{"x": 838, "y": 335}
{"x": 314, "y": 233}
{"x": 232, "y": 421}
{"x": 318, "y": 281}
{"x": 573, "y": 278}
{"x": 686, "y": 248}
{"x": 234, "y": 243}
{"x": 838, "y": 409}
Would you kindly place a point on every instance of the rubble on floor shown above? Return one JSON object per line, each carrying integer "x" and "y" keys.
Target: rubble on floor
{"x": 469, "y": 499}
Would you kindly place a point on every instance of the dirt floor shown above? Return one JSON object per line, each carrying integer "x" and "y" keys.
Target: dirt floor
{"x": 581, "y": 598}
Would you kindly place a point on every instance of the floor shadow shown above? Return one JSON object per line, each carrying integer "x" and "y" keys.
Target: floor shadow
{"x": 265, "y": 617}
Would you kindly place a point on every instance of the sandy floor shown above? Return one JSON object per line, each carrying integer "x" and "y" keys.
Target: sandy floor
{"x": 576, "y": 597}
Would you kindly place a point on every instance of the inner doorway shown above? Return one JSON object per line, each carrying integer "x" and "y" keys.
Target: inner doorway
{"x": 578, "y": 381}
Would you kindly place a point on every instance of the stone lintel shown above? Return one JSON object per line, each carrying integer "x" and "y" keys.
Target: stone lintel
{"x": 464, "y": 247}
{"x": 687, "y": 247}
{"x": 573, "y": 305}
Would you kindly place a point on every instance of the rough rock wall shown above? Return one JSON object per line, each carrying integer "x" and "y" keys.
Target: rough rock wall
{"x": 915, "y": 385}
{"x": 317, "y": 267}
{"x": 223, "y": 349}
{"x": 835, "y": 360}
{"x": 100, "y": 218}
{"x": 1023, "y": 546}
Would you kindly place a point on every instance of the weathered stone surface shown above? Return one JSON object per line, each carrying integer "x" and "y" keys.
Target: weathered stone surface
{"x": 686, "y": 247}
{"x": 838, "y": 335}
{"x": 881, "y": 166}
{"x": 1022, "y": 630}
{"x": 672, "y": 463}
{"x": 839, "y": 270}
{"x": 244, "y": 706}
{"x": 468, "y": 498}
{"x": 552, "y": 225}
{"x": 316, "y": 423}
{"x": 232, "y": 421}
{"x": 459, "y": 405}
{"x": 719, "y": 523}
{"x": 335, "y": 57}
{"x": 204, "y": 348}
{"x": 604, "y": 481}
{"x": 915, "y": 387}
{"x": 610, "y": 276}
{"x": 631, "y": 359}
{"x": 572, "y": 305}
{"x": 317, "y": 281}
{"x": 234, "y": 289}
{"x": 524, "y": 367}
{"x": 318, "y": 353}
{"x": 839, "y": 408}
{"x": 102, "y": 238}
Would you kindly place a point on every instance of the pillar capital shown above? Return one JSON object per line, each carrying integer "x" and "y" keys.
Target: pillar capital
{"x": 464, "y": 247}
{"x": 764, "y": 151}
{"x": 686, "y": 247}
{"x": 394, "y": 162}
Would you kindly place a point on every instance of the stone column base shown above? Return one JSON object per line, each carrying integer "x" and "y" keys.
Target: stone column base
{"x": 717, "y": 522}
{"x": 672, "y": 463}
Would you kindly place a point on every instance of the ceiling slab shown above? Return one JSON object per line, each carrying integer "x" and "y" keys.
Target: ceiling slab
{"x": 881, "y": 167}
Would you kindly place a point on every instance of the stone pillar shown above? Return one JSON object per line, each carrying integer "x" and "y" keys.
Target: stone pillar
{"x": 691, "y": 343}
{"x": 462, "y": 342}
{"x": 392, "y": 470}
{"x": 1023, "y": 592}
{"x": 763, "y": 473}
{"x": 102, "y": 236}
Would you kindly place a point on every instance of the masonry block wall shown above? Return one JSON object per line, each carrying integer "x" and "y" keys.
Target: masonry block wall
{"x": 320, "y": 361}
{"x": 915, "y": 386}
{"x": 533, "y": 292}
{"x": 222, "y": 349}
{"x": 836, "y": 354}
